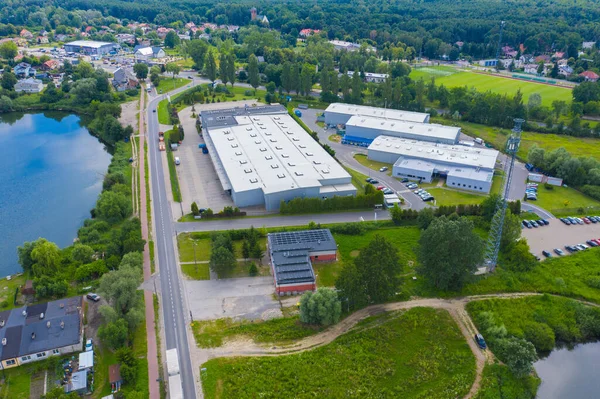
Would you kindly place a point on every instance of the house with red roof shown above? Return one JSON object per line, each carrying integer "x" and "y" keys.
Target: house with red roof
{"x": 309, "y": 32}
{"x": 26, "y": 34}
{"x": 589, "y": 76}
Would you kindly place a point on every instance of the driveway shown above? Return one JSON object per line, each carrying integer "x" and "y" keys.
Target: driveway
{"x": 248, "y": 298}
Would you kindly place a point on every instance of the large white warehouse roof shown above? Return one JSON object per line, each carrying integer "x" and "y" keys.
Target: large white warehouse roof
{"x": 273, "y": 153}
{"x": 349, "y": 109}
{"x": 90, "y": 43}
{"x": 450, "y": 154}
{"x": 429, "y": 132}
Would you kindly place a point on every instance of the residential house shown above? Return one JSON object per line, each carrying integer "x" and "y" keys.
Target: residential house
{"x": 77, "y": 383}
{"x": 190, "y": 25}
{"x": 61, "y": 37}
{"x": 148, "y": 53}
{"x": 125, "y": 38}
{"x": 36, "y": 332}
{"x": 204, "y": 36}
{"x": 531, "y": 68}
{"x": 527, "y": 59}
{"x": 184, "y": 37}
{"x": 371, "y": 77}
{"x": 506, "y": 62}
{"x": 509, "y": 52}
{"x": 348, "y": 46}
{"x": 232, "y": 28}
{"x": 29, "y": 85}
{"x": 459, "y": 44}
{"x": 42, "y": 40}
{"x": 27, "y": 289}
{"x": 123, "y": 80}
{"x": 565, "y": 70}
{"x": 23, "y": 70}
{"x": 25, "y": 34}
{"x": 162, "y": 31}
{"x": 589, "y": 76}
{"x": 559, "y": 55}
{"x": 308, "y": 32}
{"x": 542, "y": 58}
{"x": 588, "y": 45}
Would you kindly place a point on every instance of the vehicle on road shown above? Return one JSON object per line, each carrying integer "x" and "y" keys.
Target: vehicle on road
{"x": 383, "y": 168}
{"x": 177, "y": 161}
{"x": 93, "y": 297}
{"x": 480, "y": 341}
{"x": 154, "y": 110}
{"x": 559, "y": 251}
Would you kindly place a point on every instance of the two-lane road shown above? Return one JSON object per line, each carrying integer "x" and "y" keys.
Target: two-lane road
{"x": 173, "y": 304}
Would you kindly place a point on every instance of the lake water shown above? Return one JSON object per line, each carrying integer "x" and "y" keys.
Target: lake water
{"x": 51, "y": 172}
{"x": 571, "y": 373}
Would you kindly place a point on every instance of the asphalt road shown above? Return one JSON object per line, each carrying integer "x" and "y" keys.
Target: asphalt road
{"x": 171, "y": 286}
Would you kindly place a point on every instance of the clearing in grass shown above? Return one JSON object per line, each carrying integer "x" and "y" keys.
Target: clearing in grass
{"x": 416, "y": 353}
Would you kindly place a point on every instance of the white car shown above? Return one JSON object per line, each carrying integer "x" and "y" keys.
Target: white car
{"x": 89, "y": 345}
{"x": 177, "y": 161}
{"x": 383, "y": 169}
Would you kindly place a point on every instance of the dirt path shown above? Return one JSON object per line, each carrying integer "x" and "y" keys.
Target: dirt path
{"x": 456, "y": 308}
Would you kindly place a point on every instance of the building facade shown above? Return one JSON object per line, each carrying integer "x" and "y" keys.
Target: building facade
{"x": 292, "y": 255}
{"x": 90, "y": 47}
{"x": 29, "y": 85}
{"x": 340, "y": 113}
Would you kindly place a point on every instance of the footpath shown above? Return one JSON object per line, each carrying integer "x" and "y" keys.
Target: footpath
{"x": 152, "y": 355}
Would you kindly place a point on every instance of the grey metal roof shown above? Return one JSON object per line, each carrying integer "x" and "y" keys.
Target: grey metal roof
{"x": 64, "y": 328}
{"x": 78, "y": 381}
{"x": 225, "y": 117}
{"x": 290, "y": 254}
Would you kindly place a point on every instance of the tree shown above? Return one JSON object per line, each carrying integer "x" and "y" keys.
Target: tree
{"x": 426, "y": 216}
{"x": 173, "y": 68}
{"x": 210, "y": 66}
{"x": 82, "y": 253}
{"x": 489, "y": 205}
{"x": 286, "y": 77}
{"x": 195, "y": 210}
{"x": 511, "y": 231}
{"x": 535, "y": 101}
{"x": 6, "y": 104}
{"x": 322, "y": 307}
{"x": 357, "y": 87}
{"x": 59, "y": 393}
{"x": 9, "y": 80}
{"x": 517, "y": 353}
{"x": 231, "y": 68}
{"x": 112, "y": 206}
{"x": 540, "y": 69}
{"x": 172, "y": 40}
{"x": 535, "y": 156}
{"x": 223, "y": 68}
{"x": 558, "y": 107}
{"x": 46, "y": 257}
{"x": 84, "y": 90}
{"x": 197, "y": 50}
{"x": 449, "y": 253}
{"x": 253, "y": 76}
{"x": 114, "y": 334}
{"x": 9, "y": 50}
{"x": 369, "y": 281}
{"x": 119, "y": 287}
{"x": 24, "y": 253}
{"x": 222, "y": 261}
{"x": 141, "y": 70}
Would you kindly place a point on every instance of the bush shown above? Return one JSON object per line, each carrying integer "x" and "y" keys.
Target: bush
{"x": 548, "y": 186}
{"x": 322, "y": 307}
{"x": 252, "y": 270}
{"x": 311, "y": 205}
{"x": 541, "y": 336}
{"x": 195, "y": 210}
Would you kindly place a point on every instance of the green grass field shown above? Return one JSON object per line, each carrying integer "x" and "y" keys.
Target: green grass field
{"x": 199, "y": 271}
{"x": 327, "y": 273}
{"x": 417, "y": 353}
{"x": 375, "y": 165}
{"x": 167, "y": 84}
{"x": 172, "y": 171}
{"x": 449, "y": 196}
{"x": 163, "y": 112}
{"x": 358, "y": 179}
{"x": 578, "y": 146}
{"x": 563, "y": 199}
{"x": 451, "y": 77}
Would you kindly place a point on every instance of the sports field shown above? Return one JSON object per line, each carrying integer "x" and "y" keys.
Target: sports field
{"x": 452, "y": 77}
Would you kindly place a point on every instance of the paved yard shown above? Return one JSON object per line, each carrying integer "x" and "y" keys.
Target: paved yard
{"x": 557, "y": 235}
{"x": 249, "y": 298}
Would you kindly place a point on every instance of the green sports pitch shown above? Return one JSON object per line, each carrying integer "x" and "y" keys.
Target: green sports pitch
{"x": 452, "y": 77}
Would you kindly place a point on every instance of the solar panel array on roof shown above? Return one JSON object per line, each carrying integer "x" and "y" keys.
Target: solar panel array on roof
{"x": 298, "y": 237}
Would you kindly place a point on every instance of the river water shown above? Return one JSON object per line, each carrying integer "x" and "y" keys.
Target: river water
{"x": 570, "y": 373}
{"x": 51, "y": 172}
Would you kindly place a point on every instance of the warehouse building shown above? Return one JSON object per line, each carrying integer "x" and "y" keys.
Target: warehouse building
{"x": 262, "y": 157}
{"x": 463, "y": 167}
{"x": 36, "y": 332}
{"x": 364, "y": 129}
{"x": 90, "y": 47}
{"x": 292, "y": 255}
{"x": 339, "y": 114}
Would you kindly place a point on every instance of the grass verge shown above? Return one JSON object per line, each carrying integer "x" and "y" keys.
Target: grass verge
{"x": 172, "y": 172}
{"x": 163, "y": 112}
{"x": 162, "y": 385}
{"x": 358, "y": 179}
{"x": 418, "y": 353}
{"x": 374, "y": 165}
{"x": 167, "y": 84}
{"x": 199, "y": 271}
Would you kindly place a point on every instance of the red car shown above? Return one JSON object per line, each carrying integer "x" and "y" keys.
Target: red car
{"x": 597, "y": 241}
{"x": 586, "y": 221}
{"x": 380, "y": 187}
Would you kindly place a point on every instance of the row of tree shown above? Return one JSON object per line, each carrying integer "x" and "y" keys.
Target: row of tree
{"x": 576, "y": 171}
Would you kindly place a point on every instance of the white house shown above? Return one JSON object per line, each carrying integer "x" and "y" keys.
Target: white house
{"x": 147, "y": 53}
{"x": 30, "y": 85}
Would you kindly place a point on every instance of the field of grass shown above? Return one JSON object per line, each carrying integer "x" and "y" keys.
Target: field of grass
{"x": 104, "y": 358}
{"x": 163, "y": 112}
{"x": 494, "y": 83}
{"x": 498, "y": 382}
{"x": 199, "y": 271}
{"x": 327, "y": 272}
{"x": 364, "y": 161}
{"x": 418, "y": 353}
{"x": 559, "y": 199}
{"x": 167, "y": 84}
{"x": 578, "y": 146}
{"x": 7, "y": 290}
{"x": 212, "y": 333}
{"x": 542, "y": 320}
{"x": 172, "y": 171}
{"x": 185, "y": 245}
{"x": 448, "y": 196}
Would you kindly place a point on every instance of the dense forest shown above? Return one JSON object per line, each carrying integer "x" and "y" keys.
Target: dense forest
{"x": 540, "y": 26}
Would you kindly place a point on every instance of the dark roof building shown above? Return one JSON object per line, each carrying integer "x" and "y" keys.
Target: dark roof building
{"x": 35, "y": 332}
{"x": 292, "y": 254}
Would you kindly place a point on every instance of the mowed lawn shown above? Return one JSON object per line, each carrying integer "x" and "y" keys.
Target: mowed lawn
{"x": 563, "y": 198}
{"x": 167, "y": 84}
{"x": 496, "y": 84}
{"x": 419, "y": 353}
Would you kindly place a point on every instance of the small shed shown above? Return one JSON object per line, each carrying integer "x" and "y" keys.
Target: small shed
{"x": 86, "y": 360}
{"x": 77, "y": 383}
{"x": 114, "y": 377}
{"x": 27, "y": 289}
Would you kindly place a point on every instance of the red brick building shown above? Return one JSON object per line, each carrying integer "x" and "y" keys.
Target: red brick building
{"x": 292, "y": 255}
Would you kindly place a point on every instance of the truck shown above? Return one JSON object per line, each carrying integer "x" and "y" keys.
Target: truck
{"x": 172, "y": 362}
{"x": 479, "y": 140}
{"x": 161, "y": 146}
{"x": 175, "y": 388}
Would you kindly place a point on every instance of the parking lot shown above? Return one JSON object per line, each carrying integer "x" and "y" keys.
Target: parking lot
{"x": 557, "y": 235}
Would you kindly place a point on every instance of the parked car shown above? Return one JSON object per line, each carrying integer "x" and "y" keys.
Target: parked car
{"x": 586, "y": 221}
{"x": 527, "y": 224}
{"x": 546, "y": 254}
{"x": 480, "y": 341}
{"x": 373, "y": 181}
{"x": 591, "y": 243}
{"x": 89, "y": 345}
{"x": 388, "y": 191}
{"x": 579, "y": 220}
{"x": 571, "y": 248}
{"x": 369, "y": 179}
{"x": 581, "y": 247}
{"x": 428, "y": 198}
{"x": 93, "y": 297}
{"x": 177, "y": 161}
{"x": 559, "y": 251}
{"x": 533, "y": 224}
{"x": 383, "y": 168}
{"x": 565, "y": 221}
{"x": 380, "y": 188}
{"x": 405, "y": 180}
{"x": 545, "y": 222}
